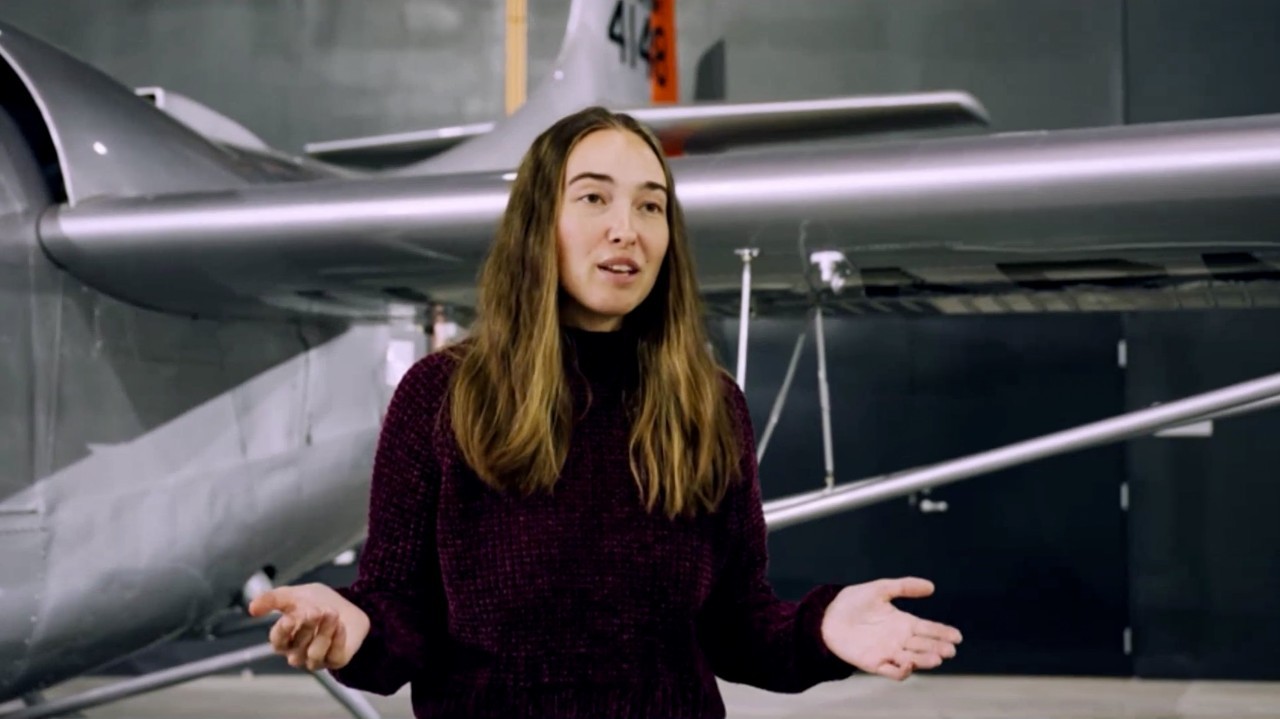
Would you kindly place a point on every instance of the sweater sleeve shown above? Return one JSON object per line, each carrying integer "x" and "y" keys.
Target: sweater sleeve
{"x": 750, "y": 635}
{"x": 398, "y": 582}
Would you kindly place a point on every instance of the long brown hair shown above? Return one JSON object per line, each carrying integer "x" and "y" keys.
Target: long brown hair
{"x": 510, "y": 403}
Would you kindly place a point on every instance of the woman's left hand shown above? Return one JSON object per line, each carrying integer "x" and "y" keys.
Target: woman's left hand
{"x": 862, "y": 627}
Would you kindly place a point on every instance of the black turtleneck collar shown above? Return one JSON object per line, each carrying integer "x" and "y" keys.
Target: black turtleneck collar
{"x": 603, "y": 358}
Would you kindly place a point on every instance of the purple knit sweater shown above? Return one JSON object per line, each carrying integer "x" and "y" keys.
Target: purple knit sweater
{"x": 574, "y": 604}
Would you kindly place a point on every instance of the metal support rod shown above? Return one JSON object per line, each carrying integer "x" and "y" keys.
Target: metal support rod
{"x": 36, "y": 698}
{"x": 747, "y": 254}
{"x": 791, "y": 511}
{"x": 802, "y": 497}
{"x": 776, "y": 412}
{"x": 824, "y": 397}
{"x": 799, "y": 498}
{"x": 354, "y": 702}
{"x": 1234, "y": 411}
{"x": 144, "y": 684}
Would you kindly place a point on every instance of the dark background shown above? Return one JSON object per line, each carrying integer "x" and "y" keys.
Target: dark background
{"x": 1040, "y": 565}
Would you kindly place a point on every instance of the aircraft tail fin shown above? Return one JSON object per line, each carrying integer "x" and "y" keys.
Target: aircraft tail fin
{"x": 615, "y": 53}
{"x": 620, "y": 53}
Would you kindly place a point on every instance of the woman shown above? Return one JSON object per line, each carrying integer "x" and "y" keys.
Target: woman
{"x": 565, "y": 517}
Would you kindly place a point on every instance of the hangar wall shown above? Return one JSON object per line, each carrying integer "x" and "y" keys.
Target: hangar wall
{"x": 302, "y": 71}
{"x": 1042, "y": 566}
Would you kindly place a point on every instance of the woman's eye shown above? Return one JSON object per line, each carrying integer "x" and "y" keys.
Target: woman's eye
{"x": 592, "y": 198}
{"x": 653, "y": 207}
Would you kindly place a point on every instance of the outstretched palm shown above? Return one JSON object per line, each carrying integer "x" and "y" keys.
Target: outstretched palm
{"x": 864, "y": 628}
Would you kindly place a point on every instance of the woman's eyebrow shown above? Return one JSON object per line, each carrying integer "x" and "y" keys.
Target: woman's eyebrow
{"x": 601, "y": 177}
{"x": 591, "y": 176}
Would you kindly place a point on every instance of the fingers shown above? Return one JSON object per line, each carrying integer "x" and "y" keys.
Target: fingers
{"x": 281, "y": 635}
{"x": 926, "y": 646}
{"x": 908, "y": 587}
{"x": 890, "y": 670}
{"x": 318, "y": 635}
{"x": 910, "y": 661}
{"x": 935, "y": 630}
{"x": 293, "y": 634}
{"x": 337, "y": 656}
{"x": 318, "y": 650}
{"x": 925, "y": 660}
{"x": 302, "y": 638}
{"x": 276, "y": 600}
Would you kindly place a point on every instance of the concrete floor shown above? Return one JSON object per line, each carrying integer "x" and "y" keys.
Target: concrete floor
{"x": 921, "y": 697}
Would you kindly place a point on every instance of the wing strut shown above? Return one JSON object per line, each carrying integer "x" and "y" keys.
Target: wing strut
{"x": 776, "y": 412}
{"x": 747, "y": 254}
{"x": 1228, "y": 401}
{"x": 824, "y": 399}
{"x": 144, "y": 684}
{"x": 826, "y": 262}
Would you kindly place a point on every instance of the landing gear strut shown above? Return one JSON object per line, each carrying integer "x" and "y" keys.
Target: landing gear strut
{"x": 827, "y": 263}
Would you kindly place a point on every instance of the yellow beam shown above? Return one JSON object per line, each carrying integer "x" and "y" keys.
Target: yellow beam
{"x": 517, "y": 53}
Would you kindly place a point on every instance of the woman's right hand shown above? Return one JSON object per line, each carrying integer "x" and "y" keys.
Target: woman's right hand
{"x": 319, "y": 628}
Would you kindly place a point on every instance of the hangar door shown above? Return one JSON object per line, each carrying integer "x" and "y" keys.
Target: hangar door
{"x": 1205, "y": 550}
{"x": 1030, "y": 562}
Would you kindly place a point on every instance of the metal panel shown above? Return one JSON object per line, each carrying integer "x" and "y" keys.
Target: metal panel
{"x": 22, "y": 580}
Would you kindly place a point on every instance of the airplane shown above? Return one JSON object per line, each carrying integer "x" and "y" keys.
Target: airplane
{"x": 202, "y": 332}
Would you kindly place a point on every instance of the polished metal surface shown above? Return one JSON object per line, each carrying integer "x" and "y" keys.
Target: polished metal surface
{"x": 1145, "y": 194}
{"x": 396, "y": 148}
{"x": 704, "y": 128}
{"x": 25, "y": 400}
{"x": 150, "y": 463}
{"x": 333, "y": 247}
{"x": 797, "y": 509}
{"x": 210, "y": 123}
{"x": 110, "y": 142}
{"x": 721, "y": 126}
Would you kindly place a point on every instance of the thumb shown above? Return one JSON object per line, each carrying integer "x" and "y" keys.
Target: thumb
{"x": 909, "y": 587}
{"x": 274, "y": 600}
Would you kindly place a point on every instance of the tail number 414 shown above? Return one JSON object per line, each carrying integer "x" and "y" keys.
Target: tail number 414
{"x": 640, "y": 38}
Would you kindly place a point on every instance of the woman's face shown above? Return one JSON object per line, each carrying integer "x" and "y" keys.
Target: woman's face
{"x": 612, "y": 234}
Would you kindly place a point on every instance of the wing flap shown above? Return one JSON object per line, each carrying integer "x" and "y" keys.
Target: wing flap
{"x": 722, "y": 126}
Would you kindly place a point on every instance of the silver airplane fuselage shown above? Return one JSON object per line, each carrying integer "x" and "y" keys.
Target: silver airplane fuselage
{"x": 151, "y": 463}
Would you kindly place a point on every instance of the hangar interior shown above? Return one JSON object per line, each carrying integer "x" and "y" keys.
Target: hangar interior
{"x": 1139, "y": 578}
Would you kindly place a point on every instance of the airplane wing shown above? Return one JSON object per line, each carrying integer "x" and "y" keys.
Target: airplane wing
{"x": 394, "y": 150}
{"x": 702, "y": 128}
{"x": 1132, "y": 217}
